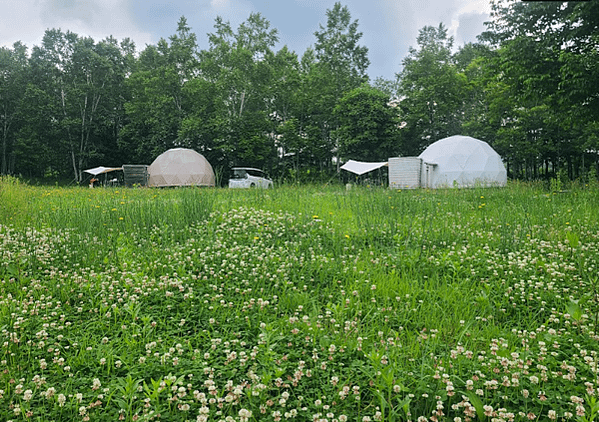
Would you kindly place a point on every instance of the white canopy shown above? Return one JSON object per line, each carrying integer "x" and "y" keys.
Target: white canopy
{"x": 101, "y": 170}
{"x": 360, "y": 167}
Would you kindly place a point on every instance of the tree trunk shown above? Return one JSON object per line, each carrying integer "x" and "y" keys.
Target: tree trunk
{"x": 4, "y": 167}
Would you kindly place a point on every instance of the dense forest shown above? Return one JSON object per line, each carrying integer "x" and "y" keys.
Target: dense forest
{"x": 529, "y": 87}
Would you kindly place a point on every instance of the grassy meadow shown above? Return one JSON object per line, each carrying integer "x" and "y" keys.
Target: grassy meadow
{"x": 311, "y": 303}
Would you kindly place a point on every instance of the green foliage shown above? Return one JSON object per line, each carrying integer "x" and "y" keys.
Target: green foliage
{"x": 159, "y": 102}
{"x": 367, "y": 125}
{"x": 239, "y": 64}
{"x": 13, "y": 65}
{"x": 78, "y": 76}
{"x": 154, "y": 117}
{"x": 529, "y": 88}
{"x": 15, "y": 205}
{"x": 342, "y": 64}
{"x": 337, "y": 47}
{"x": 543, "y": 48}
{"x": 432, "y": 92}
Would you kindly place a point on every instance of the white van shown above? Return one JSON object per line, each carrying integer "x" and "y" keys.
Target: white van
{"x": 247, "y": 177}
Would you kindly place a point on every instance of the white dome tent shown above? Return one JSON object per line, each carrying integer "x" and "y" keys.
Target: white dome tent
{"x": 180, "y": 167}
{"x": 461, "y": 161}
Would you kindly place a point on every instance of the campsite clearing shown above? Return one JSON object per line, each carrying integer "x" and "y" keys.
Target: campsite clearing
{"x": 307, "y": 303}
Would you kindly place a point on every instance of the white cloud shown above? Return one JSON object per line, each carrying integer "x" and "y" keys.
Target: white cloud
{"x": 218, "y": 5}
{"x": 17, "y": 23}
{"x": 27, "y": 20}
{"x": 389, "y": 26}
{"x": 413, "y": 16}
{"x": 316, "y": 4}
{"x": 234, "y": 11}
{"x": 467, "y": 22}
{"x": 474, "y": 7}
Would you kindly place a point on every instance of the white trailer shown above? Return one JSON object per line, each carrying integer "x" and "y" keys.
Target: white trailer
{"x": 405, "y": 172}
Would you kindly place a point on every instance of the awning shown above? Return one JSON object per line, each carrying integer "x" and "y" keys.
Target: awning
{"x": 101, "y": 170}
{"x": 360, "y": 167}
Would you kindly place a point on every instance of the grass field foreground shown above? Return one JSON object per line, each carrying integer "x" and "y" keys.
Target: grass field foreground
{"x": 298, "y": 303}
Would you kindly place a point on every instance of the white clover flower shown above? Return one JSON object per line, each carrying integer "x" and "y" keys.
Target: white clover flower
{"x": 27, "y": 395}
{"x": 61, "y": 399}
{"x": 244, "y": 415}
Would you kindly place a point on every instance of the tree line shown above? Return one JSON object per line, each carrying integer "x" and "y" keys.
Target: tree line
{"x": 529, "y": 87}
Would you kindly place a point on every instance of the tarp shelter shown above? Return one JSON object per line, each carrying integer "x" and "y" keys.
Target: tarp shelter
{"x": 360, "y": 167}
{"x": 97, "y": 171}
{"x": 101, "y": 170}
{"x": 462, "y": 161}
{"x": 180, "y": 167}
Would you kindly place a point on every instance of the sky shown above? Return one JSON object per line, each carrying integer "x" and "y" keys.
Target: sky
{"x": 389, "y": 27}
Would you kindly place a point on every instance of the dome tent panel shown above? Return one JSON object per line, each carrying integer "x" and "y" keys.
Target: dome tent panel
{"x": 463, "y": 161}
{"x": 181, "y": 167}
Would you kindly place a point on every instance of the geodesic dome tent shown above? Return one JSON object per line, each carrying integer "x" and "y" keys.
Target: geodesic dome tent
{"x": 180, "y": 167}
{"x": 462, "y": 161}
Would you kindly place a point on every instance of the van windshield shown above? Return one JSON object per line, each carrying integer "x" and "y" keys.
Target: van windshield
{"x": 255, "y": 172}
{"x": 239, "y": 174}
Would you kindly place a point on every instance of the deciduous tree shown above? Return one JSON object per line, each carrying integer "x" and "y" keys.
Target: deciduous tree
{"x": 13, "y": 80}
{"x": 341, "y": 67}
{"x": 368, "y": 125}
{"x": 238, "y": 63}
{"x": 157, "y": 107}
{"x": 432, "y": 91}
